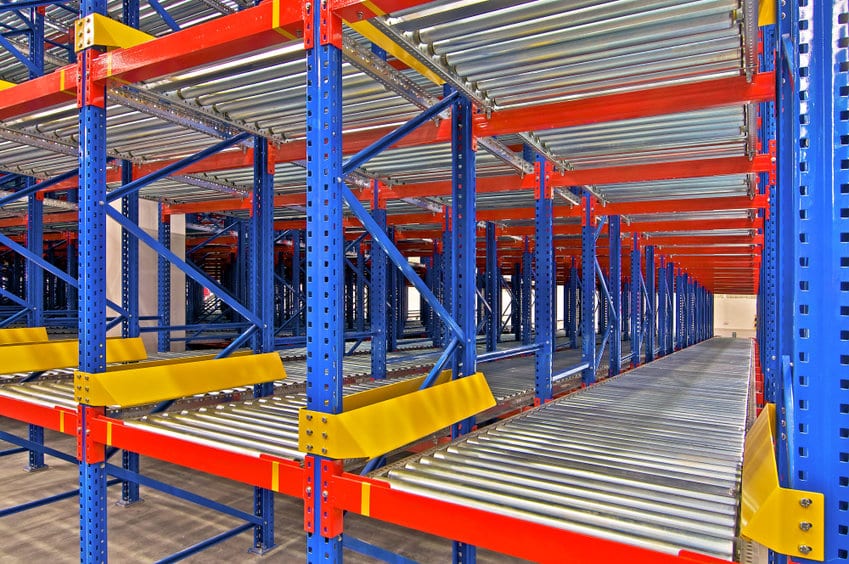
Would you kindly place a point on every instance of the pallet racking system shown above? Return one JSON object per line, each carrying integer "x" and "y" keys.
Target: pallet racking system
{"x": 316, "y": 147}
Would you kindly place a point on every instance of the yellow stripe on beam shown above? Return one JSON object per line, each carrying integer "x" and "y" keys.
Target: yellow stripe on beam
{"x": 377, "y": 37}
{"x": 33, "y": 357}
{"x": 378, "y": 428}
{"x": 21, "y": 335}
{"x": 365, "y": 500}
{"x": 275, "y": 476}
{"x": 143, "y": 385}
{"x": 779, "y": 518}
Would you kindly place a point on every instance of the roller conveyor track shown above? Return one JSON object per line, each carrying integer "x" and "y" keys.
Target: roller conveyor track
{"x": 651, "y": 458}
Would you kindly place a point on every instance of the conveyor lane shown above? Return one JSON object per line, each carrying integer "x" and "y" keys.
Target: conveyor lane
{"x": 651, "y": 458}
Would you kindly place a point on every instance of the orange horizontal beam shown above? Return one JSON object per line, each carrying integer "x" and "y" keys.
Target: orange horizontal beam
{"x": 660, "y": 100}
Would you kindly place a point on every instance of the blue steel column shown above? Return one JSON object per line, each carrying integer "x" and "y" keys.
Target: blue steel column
{"x": 661, "y": 308}
{"x": 573, "y": 305}
{"x": 92, "y": 292}
{"x": 325, "y": 254}
{"x": 525, "y": 302}
{"x": 464, "y": 260}
{"x": 360, "y": 313}
{"x": 438, "y": 285}
{"x": 814, "y": 188}
{"x": 516, "y": 301}
{"x": 636, "y": 304}
{"x": 130, "y": 302}
{"x": 493, "y": 324}
{"x": 163, "y": 301}
{"x": 377, "y": 299}
{"x": 35, "y": 234}
{"x": 297, "y": 285}
{"x": 545, "y": 283}
{"x": 614, "y": 287}
{"x": 651, "y": 310}
{"x": 588, "y": 291}
{"x": 262, "y": 303}
{"x": 679, "y": 310}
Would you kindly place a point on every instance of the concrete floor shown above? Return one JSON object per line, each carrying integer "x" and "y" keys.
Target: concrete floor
{"x": 162, "y": 525}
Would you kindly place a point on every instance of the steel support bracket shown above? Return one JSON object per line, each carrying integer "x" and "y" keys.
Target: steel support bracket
{"x": 330, "y": 523}
{"x": 97, "y": 30}
{"x": 788, "y": 521}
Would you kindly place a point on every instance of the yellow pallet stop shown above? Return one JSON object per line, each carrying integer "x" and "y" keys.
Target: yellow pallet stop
{"x": 99, "y": 30}
{"x": 21, "y": 335}
{"x": 788, "y": 521}
{"x": 380, "y": 421}
{"x": 50, "y": 355}
{"x": 154, "y": 382}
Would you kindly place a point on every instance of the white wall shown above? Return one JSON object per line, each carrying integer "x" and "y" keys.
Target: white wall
{"x": 734, "y": 314}
{"x": 149, "y": 221}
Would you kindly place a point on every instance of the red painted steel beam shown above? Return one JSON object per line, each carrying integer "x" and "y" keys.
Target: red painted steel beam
{"x": 266, "y": 471}
{"x": 492, "y": 530}
{"x": 356, "y": 10}
{"x": 49, "y": 218}
{"x": 58, "y": 419}
{"x": 660, "y": 100}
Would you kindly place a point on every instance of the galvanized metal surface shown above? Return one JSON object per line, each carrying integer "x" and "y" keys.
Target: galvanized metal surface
{"x": 651, "y": 458}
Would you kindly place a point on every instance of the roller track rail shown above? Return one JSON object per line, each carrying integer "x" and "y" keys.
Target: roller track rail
{"x": 651, "y": 458}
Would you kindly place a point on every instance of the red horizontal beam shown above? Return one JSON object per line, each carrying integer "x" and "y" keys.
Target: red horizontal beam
{"x": 269, "y": 472}
{"x": 660, "y": 100}
{"x": 492, "y": 530}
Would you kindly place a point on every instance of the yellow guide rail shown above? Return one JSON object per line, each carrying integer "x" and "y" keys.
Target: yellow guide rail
{"x": 49, "y": 355}
{"x": 20, "y": 335}
{"x": 154, "y": 382}
{"x": 382, "y": 420}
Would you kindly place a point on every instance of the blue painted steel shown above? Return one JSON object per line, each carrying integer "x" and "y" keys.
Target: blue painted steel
{"x": 661, "y": 308}
{"x": 92, "y": 295}
{"x": 21, "y": 4}
{"x": 546, "y": 284}
{"x": 615, "y": 290}
{"x": 297, "y": 281}
{"x": 636, "y": 304}
{"x": 525, "y": 302}
{"x": 670, "y": 305}
{"x": 463, "y": 259}
{"x": 324, "y": 264}
{"x": 390, "y": 139}
{"x": 190, "y": 270}
{"x": 508, "y": 353}
{"x": 573, "y": 305}
{"x": 163, "y": 282}
{"x": 360, "y": 292}
{"x": 651, "y": 306}
{"x": 588, "y": 260}
{"x": 163, "y": 13}
{"x": 46, "y": 501}
{"x": 34, "y": 188}
{"x": 376, "y": 552}
{"x": 129, "y": 260}
{"x": 11, "y": 451}
{"x": 515, "y": 301}
{"x": 130, "y": 13}
{"x": 493, "y": 288}
{"x": 377, "y": 301}
{"x": 384, "y": 242}
{"x": 203, "y": 545}
{"x": 170, "y": 169}
{"x": 261, "y": 300}
{"x": 180, "y": 493}
{"x": 813, "y": 243}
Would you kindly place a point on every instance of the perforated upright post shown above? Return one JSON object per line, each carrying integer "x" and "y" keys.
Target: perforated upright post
{"x": 92, "y": 292}
{"x": 588, "y": 291}
{"x": 130, "y": 302}
{"x": 662, "y": 310}
{"x": 464, "y": 243}
{"x": 651, "y": 309}
{"x": 614, "y": 287}
{"x": 377, "y": 297}
{"x": 525, "y": 302}
{"x": 261, "y": 288}
{"x": 163, "y": 284}
{"x": 573, "y": 305}
{"x": 813, "y": 192}
{"x": 545, "y": 282}
{"x": 636, "y": 304}
{"x": 493, "y": 323}
{"x": 325, "y": 264}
